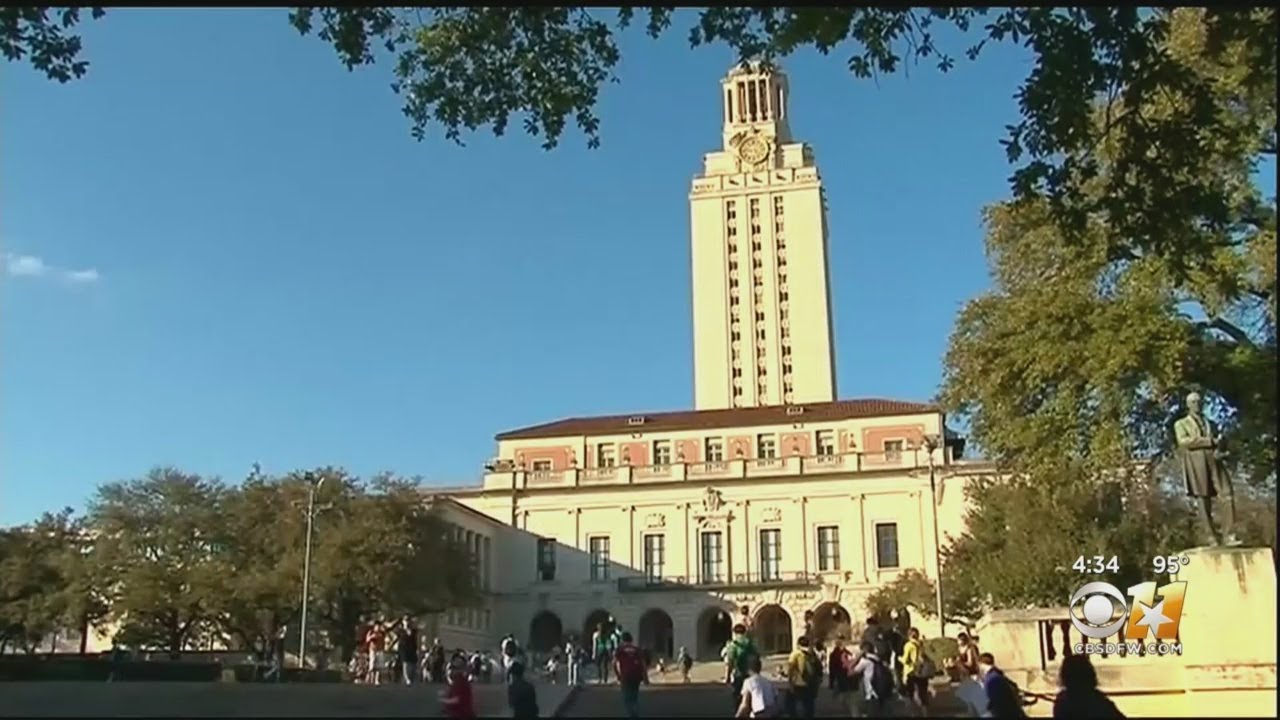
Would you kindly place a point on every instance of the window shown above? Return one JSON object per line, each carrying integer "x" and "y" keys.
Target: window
{"x": 598, "y": 547}
{"x": 887, "y": 545}
{"x": 661, "y": 452}
{"x": 712, "y": 557}
{"x": 541, "y": 466}
{"x": 771, "y": 554}
{"x": 714, "y": 449}
{"x": 893, "y": 450}
{"x": 655, "y": 556}
{"x": 486, "y": 559}
{"x": 766, "y": 446}
{"x": 605, "y": 456}
{"x": 826, "y": 442}
{"x": 546, "y": 559}
{"x": 828, "y": 548}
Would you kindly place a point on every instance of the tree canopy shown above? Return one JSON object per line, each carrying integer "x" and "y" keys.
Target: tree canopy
{"x": 1073, "y": 367}
{"x": 191, "y": 560}
{"x": 462, "y": 69}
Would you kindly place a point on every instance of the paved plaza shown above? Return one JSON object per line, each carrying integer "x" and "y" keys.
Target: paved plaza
{"x": 143, "y": 699}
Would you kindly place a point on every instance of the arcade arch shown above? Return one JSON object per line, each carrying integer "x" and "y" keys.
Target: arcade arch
{"x": 772, "y": 630}
{"x": 657, "y": 633}
{"x": 545, "y": 631}
{"x": 715, "y": 628}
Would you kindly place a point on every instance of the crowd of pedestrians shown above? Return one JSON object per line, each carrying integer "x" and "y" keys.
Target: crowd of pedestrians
{"x": 885, "y": 673}
{"x": 888, "y": 673}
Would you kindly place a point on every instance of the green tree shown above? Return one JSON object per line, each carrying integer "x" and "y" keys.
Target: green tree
{"x": 265, "y": 537}
{"x": 1077, "y": 360}
{"x": 31, "y": 584}
{"x": 379, "y": 551}
{"x": 160, "y": 540}
{"x": 467, "y": 68}
{"x": 46, "y": 586}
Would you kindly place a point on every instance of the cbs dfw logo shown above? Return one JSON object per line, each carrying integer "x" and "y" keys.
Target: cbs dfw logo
{"x": 1144, "y": 626}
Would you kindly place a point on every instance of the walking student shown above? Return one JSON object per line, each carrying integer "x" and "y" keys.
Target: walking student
{"x": 877, "y": 682}
{"x": 759, "y": 696}
{"x": 522, "y": 697}
{"x": 804, "y": 673}
{"x": 601, "y": 652}
{"x": 629, "y": 666}
{"x": 407, "y": 641}
{"x": 917, "y": 669}
{"x": 737, "y": 658}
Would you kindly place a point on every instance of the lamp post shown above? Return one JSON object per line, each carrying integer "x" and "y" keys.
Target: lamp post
{"x": 930, "y": 444}
{"x": 306, "y": 565}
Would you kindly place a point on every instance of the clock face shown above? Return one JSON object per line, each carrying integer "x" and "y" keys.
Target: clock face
{"x": 753, "y": 150}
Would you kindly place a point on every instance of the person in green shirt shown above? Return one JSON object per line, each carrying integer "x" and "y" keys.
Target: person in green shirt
{"x": 738, "y": 660}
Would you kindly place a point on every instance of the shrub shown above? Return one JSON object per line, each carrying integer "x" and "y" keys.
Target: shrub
{"x": 941, "y": 648}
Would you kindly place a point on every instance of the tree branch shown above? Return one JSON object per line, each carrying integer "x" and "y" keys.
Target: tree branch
{"x": 1230, "y": 330}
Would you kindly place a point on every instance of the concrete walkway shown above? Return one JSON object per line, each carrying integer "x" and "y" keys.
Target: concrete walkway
{"x": 139, "y": 699}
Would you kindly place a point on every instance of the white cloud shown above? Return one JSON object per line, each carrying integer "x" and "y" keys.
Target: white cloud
{"x": 82, "y": 276}
{"x": 32, "y": 266}
{"x": 18, "y": 265}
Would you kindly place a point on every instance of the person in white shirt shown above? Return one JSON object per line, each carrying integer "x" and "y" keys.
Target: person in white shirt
{"x": 759, "y": 695}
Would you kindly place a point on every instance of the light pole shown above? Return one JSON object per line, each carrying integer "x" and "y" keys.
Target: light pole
{"x": 930, "y": 444}
{"x": 306, "y": 565}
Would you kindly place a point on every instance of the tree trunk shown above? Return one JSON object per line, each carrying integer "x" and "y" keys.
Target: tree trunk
{"x": 84, "y": 634}
{"x": 348, "y": 619}
{"x": 175, "y": 642}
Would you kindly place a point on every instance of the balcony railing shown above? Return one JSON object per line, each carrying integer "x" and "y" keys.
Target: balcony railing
{"x": 725, "y": 581}
{"x": 853, "y": 462}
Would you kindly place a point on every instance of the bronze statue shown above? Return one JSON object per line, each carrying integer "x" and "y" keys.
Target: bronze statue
{"x": 1200, "y": 459}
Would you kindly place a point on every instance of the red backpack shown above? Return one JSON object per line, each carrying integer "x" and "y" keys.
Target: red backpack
{"x": 630, "y": 663}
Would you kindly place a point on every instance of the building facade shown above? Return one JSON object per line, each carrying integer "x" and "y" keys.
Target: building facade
{"x": 771, "y": 503}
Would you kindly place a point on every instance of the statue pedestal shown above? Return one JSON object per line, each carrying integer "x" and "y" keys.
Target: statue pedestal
{"x": 1230, "y": 613}
{"x": 1228, "y": 633}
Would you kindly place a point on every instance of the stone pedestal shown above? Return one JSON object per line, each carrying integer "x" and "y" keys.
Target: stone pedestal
{"x": 1228, "y": 634}
{"x": 1229, "y": 618}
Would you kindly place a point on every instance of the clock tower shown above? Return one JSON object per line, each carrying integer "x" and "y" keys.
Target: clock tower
{"x": 761, "y": 301}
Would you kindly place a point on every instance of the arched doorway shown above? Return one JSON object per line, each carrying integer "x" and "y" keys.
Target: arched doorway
{"x": 657, "y": 633}
{"x": 715, "y": 627}
{"x": 772, "y": 630}
{"x": 830, "y": 621}
{"x": 593, "y": 621}
{"x": 545, "y": 631}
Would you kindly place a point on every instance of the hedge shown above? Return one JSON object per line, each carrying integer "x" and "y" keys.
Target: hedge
{"x": 23, "y": 668}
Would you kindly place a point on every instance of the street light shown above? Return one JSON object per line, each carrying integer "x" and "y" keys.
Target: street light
{"x": 306, "y": 564}
{"x": 930, "y": 444}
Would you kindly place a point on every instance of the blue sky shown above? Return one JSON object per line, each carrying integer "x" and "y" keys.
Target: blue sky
{"x": 271, "y": 269}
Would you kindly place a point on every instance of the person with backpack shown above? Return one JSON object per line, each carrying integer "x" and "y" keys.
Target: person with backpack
{"x": 877, "y": 682}
{"x": 685, "y": 661}
{"x": 804, "y": 674}
{"x": 737, "y": 660}
{"x": 917, "y": 670}
{"x": 1004, "y": 699}
{"x": 631, "y": 671}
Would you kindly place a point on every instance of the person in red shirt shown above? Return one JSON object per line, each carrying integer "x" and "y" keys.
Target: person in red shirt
{"x": 457, "y": 698}
{"x": 632, "y": 672}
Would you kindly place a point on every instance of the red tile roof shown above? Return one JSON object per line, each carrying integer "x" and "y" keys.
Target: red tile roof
{"x": 713, "y": 419}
